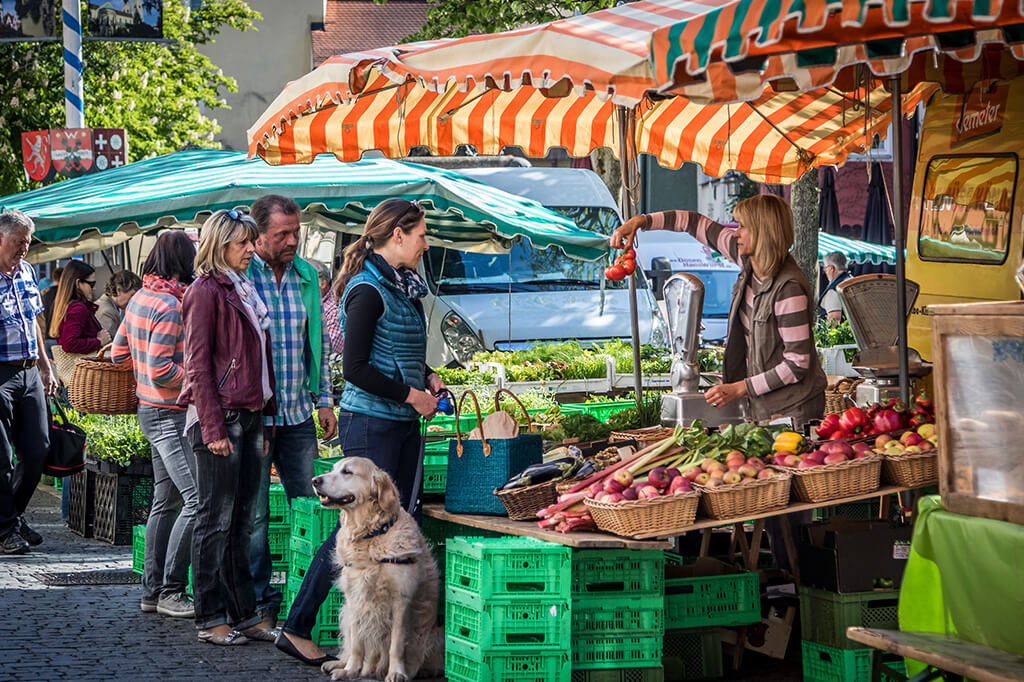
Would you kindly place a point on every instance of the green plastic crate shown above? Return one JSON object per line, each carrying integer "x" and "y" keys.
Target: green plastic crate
{"x": 620, "y": 675}
{"x": 627, "y": 651}
{"x": 618, "y": 616}
{"x": 278, "y": 537}
{"x": 330, "y": 610}
{"x": 299, "y": 558}
{"x": 435, "y": 472}
{"x": 58, "y": 483}
{"x": 824, "y": 615}
{"x": 733, "y": 599}
{"x": 323, "y": 465}
{"x": 692, "y": 654}
{"x": 326, "y": 637}
{"x": 278, "y": 505}
{"x": 518, "y": 624}
{"x": 465, "y": 662}
{"x": 279, "y": 574}
{"x": 438, "y": 447}
{"x": 508, "y": 567}
{"x": 600, "y": 411}
{"x": 311, "y": 524}
{"x": 861, "y": 510}
{"x": 611, "y": 572}
{"x": 138, "y": 548}
{"x": 829, "y": 664}
{"x": 895, "y": 666}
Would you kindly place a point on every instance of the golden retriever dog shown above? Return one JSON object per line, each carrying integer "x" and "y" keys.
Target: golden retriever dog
{"x": 388, "y": 576}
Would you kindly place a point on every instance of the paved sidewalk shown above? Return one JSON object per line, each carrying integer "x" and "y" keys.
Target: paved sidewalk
{"x": 98, "y": 632}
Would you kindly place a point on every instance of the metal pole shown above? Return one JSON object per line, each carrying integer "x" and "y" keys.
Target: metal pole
{"x": 627, "y": 163}
{"x": 74, "y": 98}
{"x": 899, "y": 236}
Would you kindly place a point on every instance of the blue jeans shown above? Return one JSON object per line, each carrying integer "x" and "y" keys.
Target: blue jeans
{"x": 292, "y": 451}
{"x": 220, "y": 540}
{"x": 396, "y": 447}
{"x": 25, "y": 429}
{"x": 168, "y": 532}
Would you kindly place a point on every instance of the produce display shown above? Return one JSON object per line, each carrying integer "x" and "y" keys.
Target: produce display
{"x": 582, "y": 427}
{"x": 826, "y": 336}
{"x": 648, "y": 414}
{"x": 113, "y": 438}
{"x": 893, "y": 416}
{"x": 552, "y": 470}
{"x": 457, "y": 376}
{"x": 548, "y": 362}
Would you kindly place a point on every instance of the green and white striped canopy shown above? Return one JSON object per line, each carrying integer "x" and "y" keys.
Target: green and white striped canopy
{"x": 97, "y": 211}
{"x": 856, "y": 251}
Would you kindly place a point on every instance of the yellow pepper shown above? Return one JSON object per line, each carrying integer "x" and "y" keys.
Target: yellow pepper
{"x": 788, "y": 441}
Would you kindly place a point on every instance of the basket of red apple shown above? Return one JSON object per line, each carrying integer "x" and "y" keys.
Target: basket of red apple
{"x": 739, "y": 487}
{"x": 912, "y": 459}
{"x": 662, "y": 503}
{"x": 835, "y": 469}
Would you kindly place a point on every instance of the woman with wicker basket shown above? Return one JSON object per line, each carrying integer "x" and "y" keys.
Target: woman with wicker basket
{"x": 151, "y": 337}
{"x": 228, "y": 387}
{"x": 74, "y": 323}
{"x": 770, "y": 357}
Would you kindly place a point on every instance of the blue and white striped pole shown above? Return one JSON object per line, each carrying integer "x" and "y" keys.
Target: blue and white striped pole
{"x": 74, "y": 103}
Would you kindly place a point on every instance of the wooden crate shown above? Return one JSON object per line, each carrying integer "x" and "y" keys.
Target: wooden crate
{"x": 979, "y": 383}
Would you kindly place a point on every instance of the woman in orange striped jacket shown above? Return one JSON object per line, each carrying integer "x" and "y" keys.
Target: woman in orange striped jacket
{"x": 151, "y": 337}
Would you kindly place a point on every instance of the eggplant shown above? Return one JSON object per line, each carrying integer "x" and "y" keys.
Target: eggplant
{"x": 543, "y": 472}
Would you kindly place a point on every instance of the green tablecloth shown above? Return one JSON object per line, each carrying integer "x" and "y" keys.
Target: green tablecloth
{"x": 964, "y": 577}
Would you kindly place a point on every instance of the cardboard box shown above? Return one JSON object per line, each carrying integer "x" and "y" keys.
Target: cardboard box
{"x": 849, "y": 556}
{"x": 769, "y": 637}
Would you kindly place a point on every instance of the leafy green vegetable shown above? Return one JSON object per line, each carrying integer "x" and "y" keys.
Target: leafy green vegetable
{"x": 586, "y": 427}
{"x": 826, "y": 336}
{"x": 457, "y": 376}
{"x": 113, "y": 438}
{"x": 548, "y": 362}
{"x": 648, "y": 414}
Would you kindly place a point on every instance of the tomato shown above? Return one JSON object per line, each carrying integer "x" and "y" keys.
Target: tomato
{"x": 629, "y": 253}
{"x": 629, "y": 266}
{"x": 615, "y": 272}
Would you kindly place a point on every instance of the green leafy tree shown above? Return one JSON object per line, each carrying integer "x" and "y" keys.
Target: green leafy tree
{"x": 457, "y": 18}
{"x": 161, "y": 93}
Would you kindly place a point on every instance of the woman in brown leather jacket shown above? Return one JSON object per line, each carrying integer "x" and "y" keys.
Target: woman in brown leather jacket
{"x": 228, "y": 386}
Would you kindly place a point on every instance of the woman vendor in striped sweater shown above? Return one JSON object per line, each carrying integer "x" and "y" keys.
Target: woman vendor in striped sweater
{"x": 769, "y": 355}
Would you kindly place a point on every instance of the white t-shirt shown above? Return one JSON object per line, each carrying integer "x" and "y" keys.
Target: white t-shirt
{"x": 831, "y": 301}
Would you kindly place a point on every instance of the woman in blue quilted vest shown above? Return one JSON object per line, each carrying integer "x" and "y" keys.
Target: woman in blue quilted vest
{"x": 388, "y": 385}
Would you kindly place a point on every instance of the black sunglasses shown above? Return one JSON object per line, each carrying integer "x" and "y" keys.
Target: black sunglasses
{"x": 90, "y": 282}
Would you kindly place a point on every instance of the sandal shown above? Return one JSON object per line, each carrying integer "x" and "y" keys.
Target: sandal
{"x": 260, "y": 634}
{"x": 233, "y": 638}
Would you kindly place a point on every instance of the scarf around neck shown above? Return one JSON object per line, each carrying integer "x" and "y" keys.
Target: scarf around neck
{"x": 409, "y": 281}
{"x": 159, "y": 285}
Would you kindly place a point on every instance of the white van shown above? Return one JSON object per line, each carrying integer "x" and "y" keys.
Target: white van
{"x": 507, "y": 301}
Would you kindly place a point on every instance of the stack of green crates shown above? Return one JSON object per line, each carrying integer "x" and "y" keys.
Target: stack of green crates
{"x": 828, "y": 656}
{"x": 618, "y": 614}
{"x": 435, "y": 468}
{"x": 507, "y": 615}
{"x": 311, "y": 525}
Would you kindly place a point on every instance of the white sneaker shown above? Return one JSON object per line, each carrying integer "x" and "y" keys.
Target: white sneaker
{"x": 176, "y": 606}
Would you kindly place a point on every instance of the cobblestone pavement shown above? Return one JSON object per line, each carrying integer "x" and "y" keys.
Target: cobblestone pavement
{"x": 98, "y": 633}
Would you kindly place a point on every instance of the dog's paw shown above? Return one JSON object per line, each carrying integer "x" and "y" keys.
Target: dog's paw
{"x": 396, "y": 677}
{"x": 330, "y": 666}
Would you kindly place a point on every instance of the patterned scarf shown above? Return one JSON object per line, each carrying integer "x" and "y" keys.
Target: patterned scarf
{"x": 409, "y": 281}
{"x": 159, "y": 285}
{"x": 247, "y": 292}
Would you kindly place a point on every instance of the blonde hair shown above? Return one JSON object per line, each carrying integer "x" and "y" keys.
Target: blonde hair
{"x": 770, "y": 223}
{"x": 219, "y": 230}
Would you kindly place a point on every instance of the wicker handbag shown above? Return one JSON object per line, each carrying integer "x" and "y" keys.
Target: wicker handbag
{"x": 64, "y": 363}
{"x": 839, "y": 396}
{"x": 101, "y": 386}
{"x": 477, "y": 467}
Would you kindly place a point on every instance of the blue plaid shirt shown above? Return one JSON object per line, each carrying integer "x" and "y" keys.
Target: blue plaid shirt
{"x": 19, "y": 305}
{"x": 288, "y": 342}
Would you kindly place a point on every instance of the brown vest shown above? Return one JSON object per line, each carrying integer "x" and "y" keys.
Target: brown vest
{"x": 804, "y": 400}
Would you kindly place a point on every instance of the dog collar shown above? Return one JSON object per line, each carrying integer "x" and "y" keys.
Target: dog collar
{"x": 380, "y": 531}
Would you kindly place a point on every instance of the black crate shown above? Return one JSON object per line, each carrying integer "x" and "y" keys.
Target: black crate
{"x": 80, "y": 502}
{"x": 120, "y": 502}
{"x": 850, "y": 556}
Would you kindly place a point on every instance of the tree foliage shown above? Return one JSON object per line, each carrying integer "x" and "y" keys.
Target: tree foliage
{"x": 457, "y": 18}
{"x": 161, "y": 93}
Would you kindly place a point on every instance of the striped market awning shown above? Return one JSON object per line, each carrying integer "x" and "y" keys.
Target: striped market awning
{"x": 183, "y": 188}
{"x": 970, "y": 181}
{"x": 736, "y": 49}
{"x": 775, "y": 139}
{"x": 855, "y": 250}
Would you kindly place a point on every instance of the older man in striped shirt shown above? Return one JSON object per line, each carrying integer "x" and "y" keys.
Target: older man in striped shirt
{"x": 289, "y": 286}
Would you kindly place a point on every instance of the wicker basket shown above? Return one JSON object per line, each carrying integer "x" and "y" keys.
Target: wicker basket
{"x": 665, "y": 514}
{"x": 745, "y": 498}
{"x": 838, "y": 396}
{"x": 100, "y": 386}
{"x": 643, "y": 437}
{"x": 833, "y": 481}
{"x": 522, "y": 504}
{"x": 911, "y": 469}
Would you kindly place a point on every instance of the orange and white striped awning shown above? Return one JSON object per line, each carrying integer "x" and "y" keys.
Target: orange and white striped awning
{"x": 972, "y": 180}
{"x": 774, "y": 139}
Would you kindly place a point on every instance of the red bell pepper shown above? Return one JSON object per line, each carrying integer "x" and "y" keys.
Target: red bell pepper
{"x": 923, "y": 403}
{"x": 853, "y": 420}
{"x": 887, "y": 420}
{"x": 828, "y": 426}
{"x": 841, "y": 435}
{"x": 896, "y": 405}
{"x": 918, "y": 418}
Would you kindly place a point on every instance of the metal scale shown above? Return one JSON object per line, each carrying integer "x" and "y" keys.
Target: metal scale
{"x": 684, "y": 307}
{"x": 868, "y": 304}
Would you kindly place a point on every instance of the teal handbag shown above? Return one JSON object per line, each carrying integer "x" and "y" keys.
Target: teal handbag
{"x": 477, "y": 467}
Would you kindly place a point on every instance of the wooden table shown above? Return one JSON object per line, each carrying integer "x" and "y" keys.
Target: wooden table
{"x": 943, "y": 652}
{"x": 581, "y": 540}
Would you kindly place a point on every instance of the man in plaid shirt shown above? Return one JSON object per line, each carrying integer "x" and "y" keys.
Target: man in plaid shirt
{"x": 25, "y": 376}
{"x": 301, "y": 344}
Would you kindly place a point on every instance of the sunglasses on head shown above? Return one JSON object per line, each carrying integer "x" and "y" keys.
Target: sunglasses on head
{"x": 235, "y": 214}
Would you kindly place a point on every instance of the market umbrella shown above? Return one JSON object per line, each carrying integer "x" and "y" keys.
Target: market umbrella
{"x": 828, "y": 204}
{"x": 878, "y": 225}
{"x": 96, "y": 211}
{"x": 857, "y": 252}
